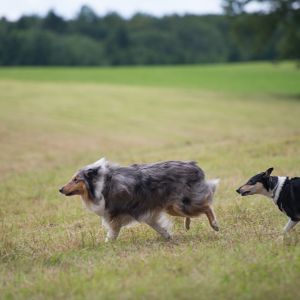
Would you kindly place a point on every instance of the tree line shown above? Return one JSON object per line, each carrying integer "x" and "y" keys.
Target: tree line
{"x": 89, "y": 39}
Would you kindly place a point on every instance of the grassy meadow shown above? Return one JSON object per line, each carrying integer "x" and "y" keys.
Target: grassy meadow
{"x": 235, "y": 120}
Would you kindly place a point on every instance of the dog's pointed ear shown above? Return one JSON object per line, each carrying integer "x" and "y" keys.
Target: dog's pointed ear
{"x": 91, "y": 172}
{"x": 93, "y": 168}
{"x": 269, "y": 171}
{"x": 100, "y": 162}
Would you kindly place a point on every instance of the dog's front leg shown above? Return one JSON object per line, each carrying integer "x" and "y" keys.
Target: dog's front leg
{"x": 113, "y": 230}
{"x": 290, "y": 224}
{"x": 112, "y": 234}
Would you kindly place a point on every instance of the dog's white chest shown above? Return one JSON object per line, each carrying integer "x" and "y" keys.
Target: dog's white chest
{"x": 98, "y": 209}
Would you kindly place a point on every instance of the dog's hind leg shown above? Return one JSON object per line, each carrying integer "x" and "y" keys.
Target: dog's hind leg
{"x": 212, "y": 218}
{"x": 159, "y": 229}
{"x": 187, "y": 223}
{"x": 290, "y": 224}
{"x": 161, "y": 224}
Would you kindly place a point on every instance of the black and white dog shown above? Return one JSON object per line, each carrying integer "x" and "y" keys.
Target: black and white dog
{"x": 284, "y": 192}
{"x": 144, "y": 193}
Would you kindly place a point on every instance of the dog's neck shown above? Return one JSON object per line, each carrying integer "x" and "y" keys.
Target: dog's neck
{"x": 276, "y": 185}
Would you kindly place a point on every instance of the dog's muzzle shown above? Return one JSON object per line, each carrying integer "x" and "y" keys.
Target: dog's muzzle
{"x": 239, "y": 191}
{"x": 61, "y": 190}
{"x": 245, "y": 193}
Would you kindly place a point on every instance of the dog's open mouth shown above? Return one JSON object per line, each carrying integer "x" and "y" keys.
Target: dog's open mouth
{"x": 245, "y": 193}
{"x": 72, "y": 193}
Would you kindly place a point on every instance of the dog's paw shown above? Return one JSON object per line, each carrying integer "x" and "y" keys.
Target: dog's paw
{"x": 215, "y": 226}
{"x": 187, "y": 223}
{"x": 167, "y": 236}
{"x": 109, "y": 239}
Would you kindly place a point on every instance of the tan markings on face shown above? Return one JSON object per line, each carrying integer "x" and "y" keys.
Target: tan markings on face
{"x": 74, "y": 187}
{"x": 257, "y": 188}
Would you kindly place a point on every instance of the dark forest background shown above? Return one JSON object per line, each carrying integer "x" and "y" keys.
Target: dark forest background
{"x": 89, "y": 39}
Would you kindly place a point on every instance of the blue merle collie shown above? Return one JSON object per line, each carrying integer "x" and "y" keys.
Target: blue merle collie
{"x": 144, "y": 193}
{"x": 284, "y": 192}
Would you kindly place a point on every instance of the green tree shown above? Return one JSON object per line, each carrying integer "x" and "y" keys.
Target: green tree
{"x": 54, "y": 23}
{"x": 275, "y": 24}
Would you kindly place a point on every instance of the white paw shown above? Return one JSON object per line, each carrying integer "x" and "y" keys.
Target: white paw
{"x": 167, "y": 236}
{"x": 110, "y": 239}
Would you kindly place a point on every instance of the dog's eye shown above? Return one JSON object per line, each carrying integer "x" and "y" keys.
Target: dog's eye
{"x": 76, "y": 180}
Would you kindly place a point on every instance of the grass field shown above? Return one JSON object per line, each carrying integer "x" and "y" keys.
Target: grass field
{"x": 235, "y": 120}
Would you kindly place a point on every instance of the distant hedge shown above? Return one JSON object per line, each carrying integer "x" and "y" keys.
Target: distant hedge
{"x": 141, "y": 40}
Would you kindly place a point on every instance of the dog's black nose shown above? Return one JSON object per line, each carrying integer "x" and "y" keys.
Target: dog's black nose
{"x": 238, "y": 191}
{"x": 61, "y": 190}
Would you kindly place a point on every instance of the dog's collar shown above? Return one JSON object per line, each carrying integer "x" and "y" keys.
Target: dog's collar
{"x": 278, "y": 188}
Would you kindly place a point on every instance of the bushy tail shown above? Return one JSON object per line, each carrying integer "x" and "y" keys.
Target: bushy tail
{"x": 213, "y": 184}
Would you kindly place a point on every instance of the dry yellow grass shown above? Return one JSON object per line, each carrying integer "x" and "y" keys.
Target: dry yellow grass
{"x": 51, "y": 248}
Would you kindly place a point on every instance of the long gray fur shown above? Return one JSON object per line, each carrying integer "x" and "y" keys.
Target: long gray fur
{"x": 140, "y": 188}
{"x": 144, "y": 193}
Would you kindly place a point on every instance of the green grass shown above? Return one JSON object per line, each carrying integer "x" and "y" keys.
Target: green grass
{"x": 235, "y": 120}
{"x": 279, "y": 79}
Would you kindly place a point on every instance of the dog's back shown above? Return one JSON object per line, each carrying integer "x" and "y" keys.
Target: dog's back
{"x": 171, "y": 185}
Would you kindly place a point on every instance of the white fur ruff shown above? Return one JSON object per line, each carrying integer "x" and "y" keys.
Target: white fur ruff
{"x": 98, "y": 209}
{"x": 281, "y": 181}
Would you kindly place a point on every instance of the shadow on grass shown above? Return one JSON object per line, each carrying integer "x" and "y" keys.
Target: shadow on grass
{"x": 290, "y": 97}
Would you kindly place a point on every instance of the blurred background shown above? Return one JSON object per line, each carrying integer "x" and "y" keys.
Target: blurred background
{"x": 152, "y": 32}
{"x": 217, "y": 82}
